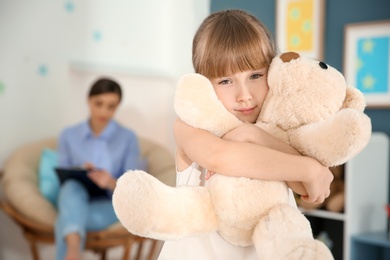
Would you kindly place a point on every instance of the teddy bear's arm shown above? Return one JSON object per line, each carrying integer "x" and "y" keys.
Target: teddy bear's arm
{"x": 354, "y": 99}
{"x": 333, "y": 141}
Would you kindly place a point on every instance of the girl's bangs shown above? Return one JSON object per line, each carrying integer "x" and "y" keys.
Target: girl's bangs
{"x": 225, "y": 62}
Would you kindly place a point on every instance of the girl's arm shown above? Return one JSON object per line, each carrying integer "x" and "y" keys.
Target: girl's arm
{"x": 249, "y": 160}
{"x": 253, "y": 134}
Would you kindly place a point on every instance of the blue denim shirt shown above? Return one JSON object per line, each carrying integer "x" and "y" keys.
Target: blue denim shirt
{"x": 115, "y": 150}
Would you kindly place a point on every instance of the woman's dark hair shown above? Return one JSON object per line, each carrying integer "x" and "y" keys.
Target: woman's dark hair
{"x": 105, "y": 85}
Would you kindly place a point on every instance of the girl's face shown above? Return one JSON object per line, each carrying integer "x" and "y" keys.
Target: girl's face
{"x": 102, "y": 108}
{"x": 243, "y": 93}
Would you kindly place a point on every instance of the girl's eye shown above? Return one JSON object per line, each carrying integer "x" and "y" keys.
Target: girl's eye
{"x": 256, "y": 76}
{"x": 224, "y": 82}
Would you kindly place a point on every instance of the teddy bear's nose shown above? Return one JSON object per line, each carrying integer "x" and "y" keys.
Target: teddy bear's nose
{"x": 287, "y": 56}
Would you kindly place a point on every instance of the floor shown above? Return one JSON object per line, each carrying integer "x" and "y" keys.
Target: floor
{"x": 13, "y": 246}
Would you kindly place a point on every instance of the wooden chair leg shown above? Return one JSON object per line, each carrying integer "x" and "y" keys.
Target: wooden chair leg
{"x": 152, "y": 249}
{"x": 139, "y": 253}
{"x": 103, "y": 254}
{"x": 127, "y": 251}
{"x": 34, "y": 250}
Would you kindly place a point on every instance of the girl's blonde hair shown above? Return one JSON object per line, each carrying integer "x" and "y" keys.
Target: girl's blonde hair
{"x": 231, "y": 41}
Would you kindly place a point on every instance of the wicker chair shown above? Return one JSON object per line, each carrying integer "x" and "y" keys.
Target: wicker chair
{"x": 36, "y": 216}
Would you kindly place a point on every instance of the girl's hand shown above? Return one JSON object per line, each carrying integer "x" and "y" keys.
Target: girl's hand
{"x": 103, "y": 179}
{"x": 318, "y": 184}
{"x": 297, "y": 187}
{"x": 209, "y": 174}
{"x": 243, "y": 133}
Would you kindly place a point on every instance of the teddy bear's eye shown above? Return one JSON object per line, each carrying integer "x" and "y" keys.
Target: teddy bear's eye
{"x": 323, "y": 65}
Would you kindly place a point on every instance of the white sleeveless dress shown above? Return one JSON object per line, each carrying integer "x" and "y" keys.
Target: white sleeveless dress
{"x": 205, "y": 247}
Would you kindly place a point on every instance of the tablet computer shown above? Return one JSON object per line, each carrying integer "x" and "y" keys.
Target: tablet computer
{"x": 80, "y": 175}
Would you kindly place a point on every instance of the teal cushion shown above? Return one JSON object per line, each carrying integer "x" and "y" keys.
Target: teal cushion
{"x": 49, "y": 184}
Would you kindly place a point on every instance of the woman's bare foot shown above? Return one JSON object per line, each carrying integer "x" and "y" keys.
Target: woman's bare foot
{"x": 73, "y": 247}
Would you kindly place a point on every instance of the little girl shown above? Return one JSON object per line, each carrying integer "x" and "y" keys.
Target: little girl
{"x": 233, "y": 50}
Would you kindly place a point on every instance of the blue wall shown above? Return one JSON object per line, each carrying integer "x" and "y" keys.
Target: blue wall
{"x": 338, "y": 13}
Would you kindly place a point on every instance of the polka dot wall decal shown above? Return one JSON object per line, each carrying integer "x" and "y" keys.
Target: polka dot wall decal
{"x": 69, "y": 6}
{"x": 368, "y": 46}
{"x": 295, "y": 14}
{"x": 359, "y": 63}
{"x": 97, "y": 35}
{"x": 2, "y": 87}
{"x": 295, "y": 40}
{"x": 307, "y": 26}
{"x": 43, "y": 70}
{"x": 368, "y": 82}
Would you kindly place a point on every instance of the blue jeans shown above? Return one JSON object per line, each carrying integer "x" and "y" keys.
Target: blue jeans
{"x": 78, "y": 214}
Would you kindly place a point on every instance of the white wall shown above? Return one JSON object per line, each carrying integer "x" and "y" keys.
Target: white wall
{"x": 51, "y": 51}
{"x": 46, "y": 45}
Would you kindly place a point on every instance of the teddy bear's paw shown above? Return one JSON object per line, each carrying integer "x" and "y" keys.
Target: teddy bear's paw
{"x": 279, "y": 233}
{"x": 197, "y": 104}
{"x": 334, "y": 141}
{"x": 294, "y": 249}
{"x": 285, "y": 233}
{"x": 290, "y": 244}
{"x": 354, "y": 99}
{"x": 136, "y": 202}
{"x": 351, "y": 133}
{"x": 305, "y": 249}
{"x": 147, "y": 207}
{"x": 281, "y": 220}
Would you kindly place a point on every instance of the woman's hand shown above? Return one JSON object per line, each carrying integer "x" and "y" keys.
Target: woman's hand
{"x": 318, "y": 183}
{"x": 103, "y": 179}
{"x": 89, "y": 166}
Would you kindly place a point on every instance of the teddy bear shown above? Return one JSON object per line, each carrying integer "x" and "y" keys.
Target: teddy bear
{"x": 309, "y": 106}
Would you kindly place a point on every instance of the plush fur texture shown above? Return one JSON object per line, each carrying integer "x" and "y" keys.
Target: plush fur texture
{"x": 309, "y": 106}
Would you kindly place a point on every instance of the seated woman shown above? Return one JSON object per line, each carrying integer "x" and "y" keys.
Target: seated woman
{"x": 107, "y": 150}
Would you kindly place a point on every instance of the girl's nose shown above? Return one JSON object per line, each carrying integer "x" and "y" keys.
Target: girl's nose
{"x": 244, "y": 93}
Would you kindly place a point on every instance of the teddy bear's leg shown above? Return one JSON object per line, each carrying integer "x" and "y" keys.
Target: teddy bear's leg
{"x": 284, "y": 233}
{"x": 149, "y": 208}
{"x": 336, "y": 140}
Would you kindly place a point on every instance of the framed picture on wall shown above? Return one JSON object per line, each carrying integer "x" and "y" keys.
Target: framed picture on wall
{"x": 300, "y": 27}
{"x": 367, "y": 60}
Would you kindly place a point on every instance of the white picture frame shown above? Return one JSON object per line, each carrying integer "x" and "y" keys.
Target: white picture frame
{"x": 367, "y": 60}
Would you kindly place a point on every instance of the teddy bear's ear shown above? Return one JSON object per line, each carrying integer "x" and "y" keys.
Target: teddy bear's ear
{"x": 354, "y": 99}
{"x": 288, "y": 56}
{"x": 197, "y": 104}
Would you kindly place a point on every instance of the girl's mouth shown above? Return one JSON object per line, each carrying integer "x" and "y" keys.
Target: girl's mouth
{"x": 246, "y": 110}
